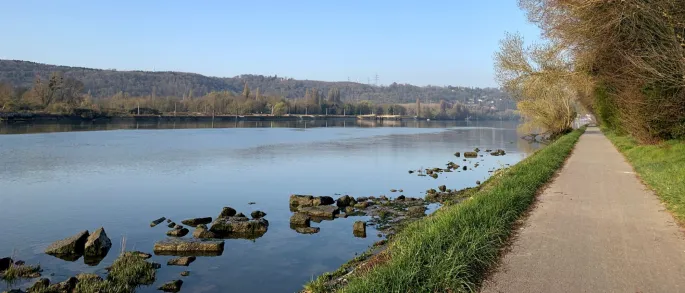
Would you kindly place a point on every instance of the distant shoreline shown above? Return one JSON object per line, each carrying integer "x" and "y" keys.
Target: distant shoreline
{"x": 60, "y": 118}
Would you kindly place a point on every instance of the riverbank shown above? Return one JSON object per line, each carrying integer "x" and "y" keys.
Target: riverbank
{"x": 660, "y": 167}
{"x": 453, "y": 249}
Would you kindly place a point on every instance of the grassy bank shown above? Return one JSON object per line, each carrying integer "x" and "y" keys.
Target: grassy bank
{"x": 660, "y": 167}
{"x": 452, "y": 250}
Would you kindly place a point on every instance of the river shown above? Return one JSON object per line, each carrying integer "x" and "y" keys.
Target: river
{"x": 59, "y": 179}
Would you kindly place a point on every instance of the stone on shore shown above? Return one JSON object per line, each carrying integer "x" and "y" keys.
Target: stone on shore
{"x": 65, "y": 286}
{"x": 73, "y": 245}
{"x": 442, "y": 188}
{"x": 172, "y": 286}
{"x": 345, "y": 201}
{"x": 40, "y": 286}
{"x": 416, "y": 211}
{"x": 5, "y": 263}
{"x": 239, "y": 225}
{"x": 258, "y": 214}
{"x": 471, "y": 155}
{"x": 97, "y": 244}
{"x": 189, "y": 246}
{"x": 181, "y": 261}
{"x": 359, "y": 229}
{"x": 320, "y": 211}
{"x": 227, "y": 212}
{"x": 300, "y": 219}
{"x": 197, "y": 221}
{"x": 307, "y": 230}
{"x": 177, "y": 232}
{"x": 156, "y": 222}
{"x": 362, "y": 205}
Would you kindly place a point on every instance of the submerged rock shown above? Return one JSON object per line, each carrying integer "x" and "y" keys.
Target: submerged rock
{"x": 227, "y": 212}
{"x": 177, "y": 232}
{"x": 393, "y": 190}
{"x": 307, "y": 230}
{"x": 73, "y": 245}
{"x": 359, "y": 229}
{"x": 189, "y": 246}
{"x": 181, "y": 261}
{"x": 172, "y": 286}
{"x": 185, "y": 273}
{"x": 140, "y": 254}
{"x": 300, "y": 219}
{"x": 197, "y": 221}
{"x": 345, "y": 201}
{"x": 239, "y": 225}
{"x": 171, "y": 225}
{"x": 258, "y": 214}
{"x": 97, "y": 244}
{"x": 156, "y": 222}
{"x": 320, "y": 211}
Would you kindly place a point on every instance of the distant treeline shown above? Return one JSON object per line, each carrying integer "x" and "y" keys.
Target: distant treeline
{"x": 107, "y": 83}
{"x": 59, "y": 94}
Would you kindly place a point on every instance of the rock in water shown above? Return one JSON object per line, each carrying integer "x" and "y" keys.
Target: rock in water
{"x": 5, "y": 263}
{"x": 189, "y": 246}
{"x": 470, "y": 154}
{"x": 227, "y": 212}
{"x": 173, "y": 286}
{"x": 359, "y": 229}
{"x": 73, "y": 245}
{"x": 307, "y": 230}
{"x": 177, "y": 232}
{"x": 362, "y": 205}
{"x": 349, "y": 210}
{"x": 197, "y": 221}
{"x": 457, "y": 154}
{"x": 181, "y": 261}
{"x": 258, "y": 214}
{"x": 300, "y": 219}
{"x": 328, "y": 212}
{"x": 201, "y": 232}
{"x": 478, "y": 182}
{"x": 156, "y": 222}
{"x": 185, "y": 273}
{"x": 465, "y": 168}
{"x": 297, "y": 200}
{"x": 97, "y": 244}
{"x": 140, "y": 254}
{"x": 499, "y": 152}
{"x": 239, "y": 225}
{"x": 442, "y": 188}
{"x": 345, "y": 201}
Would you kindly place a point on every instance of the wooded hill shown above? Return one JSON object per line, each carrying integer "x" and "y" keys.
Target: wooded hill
{"x": 106, "y": 83}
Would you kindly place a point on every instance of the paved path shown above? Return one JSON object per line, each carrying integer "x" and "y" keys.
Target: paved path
{"x": 595, "y": 229}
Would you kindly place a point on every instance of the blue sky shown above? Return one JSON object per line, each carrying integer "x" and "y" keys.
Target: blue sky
{"x": 419, "y": 42}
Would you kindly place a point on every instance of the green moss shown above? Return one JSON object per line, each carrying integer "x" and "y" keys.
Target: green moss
{"x": 131, "y": 270}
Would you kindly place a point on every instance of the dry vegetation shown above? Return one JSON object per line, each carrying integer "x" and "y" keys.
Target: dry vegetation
{"x": 622, "y": 60}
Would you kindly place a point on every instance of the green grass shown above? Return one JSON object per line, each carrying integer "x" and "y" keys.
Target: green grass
{"x": 452, "y": 250}
{"x": 661, "y": 167}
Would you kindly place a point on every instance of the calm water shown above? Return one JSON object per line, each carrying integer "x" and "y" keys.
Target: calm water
{"x": 56, "y": 184}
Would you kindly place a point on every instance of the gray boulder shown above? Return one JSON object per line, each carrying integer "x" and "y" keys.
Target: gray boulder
{"x": 359, "y": 229}
{"x": 345, "y": 201}
{"x": 180, "y": 246}
{"x": 73, "y": 245}
{"x": 97, "y": 244}
{"x": 258, "y": 214}
{"x": 201, "y": 232}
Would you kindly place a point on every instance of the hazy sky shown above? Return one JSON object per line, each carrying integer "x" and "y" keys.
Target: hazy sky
{"x": 420, "y": 42}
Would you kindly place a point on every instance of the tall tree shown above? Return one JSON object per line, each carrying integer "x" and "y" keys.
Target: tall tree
{"x": 418, "y": 107}
{"x": 246, "y": 91}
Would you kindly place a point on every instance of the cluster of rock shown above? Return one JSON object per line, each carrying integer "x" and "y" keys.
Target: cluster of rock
{"x": 385, "y": 212}
{"x": 93, "y": 247}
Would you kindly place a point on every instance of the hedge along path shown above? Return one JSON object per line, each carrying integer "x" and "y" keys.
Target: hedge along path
{"x": 452, "y": 250}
